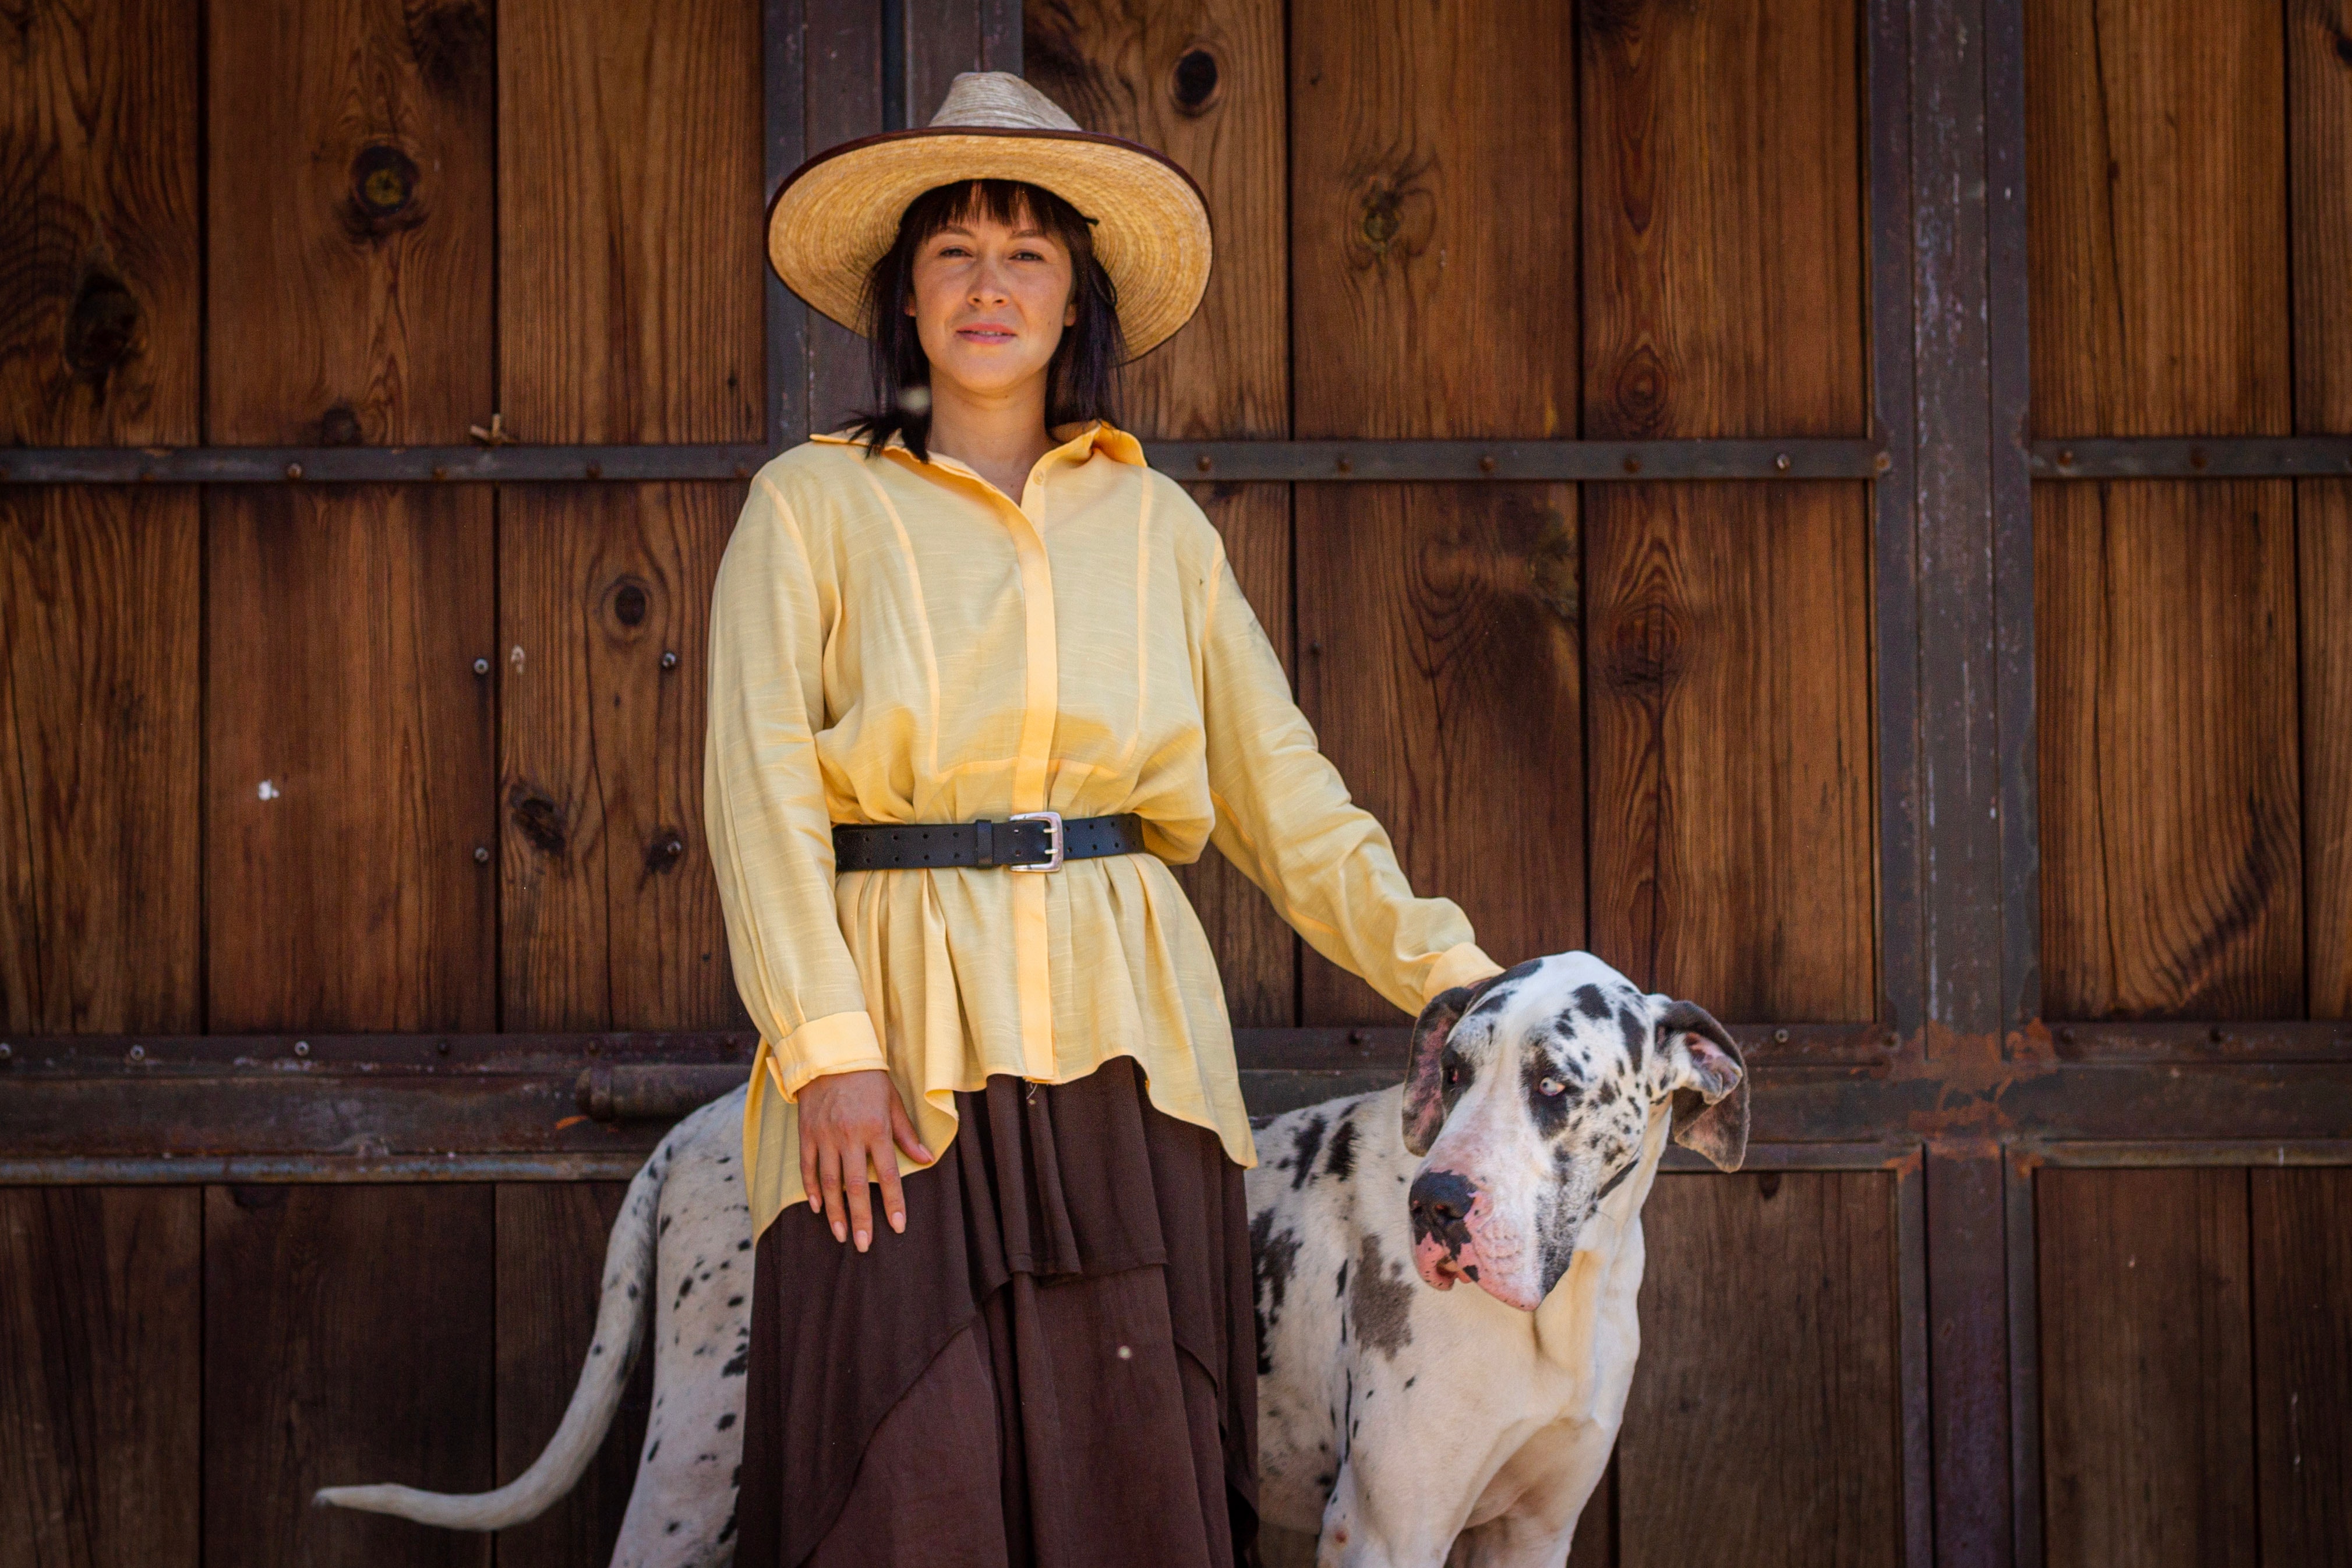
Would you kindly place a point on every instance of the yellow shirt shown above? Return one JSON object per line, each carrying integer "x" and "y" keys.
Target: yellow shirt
{"x": 896, "y": 641}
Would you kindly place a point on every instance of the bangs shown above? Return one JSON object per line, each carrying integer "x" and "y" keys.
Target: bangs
{"x": 1011, "y": 203}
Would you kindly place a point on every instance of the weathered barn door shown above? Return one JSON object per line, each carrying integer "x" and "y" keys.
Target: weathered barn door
{"x": 1825, "y": 504}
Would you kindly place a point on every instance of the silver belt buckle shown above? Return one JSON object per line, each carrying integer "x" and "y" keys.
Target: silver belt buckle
{"x": 1053, "y": 821}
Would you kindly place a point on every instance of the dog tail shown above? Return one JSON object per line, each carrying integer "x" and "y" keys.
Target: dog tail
{"x": 620, "y": 1332}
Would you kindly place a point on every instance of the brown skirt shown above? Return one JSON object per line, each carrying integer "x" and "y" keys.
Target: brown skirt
{"x": 1055, "y": 1365}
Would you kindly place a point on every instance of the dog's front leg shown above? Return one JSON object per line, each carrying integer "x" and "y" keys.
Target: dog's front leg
{"x": 1366, "y": 1526}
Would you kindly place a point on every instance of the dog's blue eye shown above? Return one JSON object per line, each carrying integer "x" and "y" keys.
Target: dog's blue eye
{"x": 1552, "y": 1086}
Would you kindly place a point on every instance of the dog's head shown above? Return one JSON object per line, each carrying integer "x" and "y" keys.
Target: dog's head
{"x": 1527, "y": 1094}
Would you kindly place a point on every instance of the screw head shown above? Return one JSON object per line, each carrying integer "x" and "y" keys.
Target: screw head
{"x": 669, "y": 660}
{"x": 481, "y": 854}
{"x": 1781, "y": 462}
{"x": 5, "y": 1051}
{"x": 2066, "y": 458}
{"x": 1633, "y": 464}
{"x": 481, "y": 666}
{"x": 440, "y": 471}
{"x": 138, "y": 1053}
{"x": 1204, "y": 462}
{"x": 302, "y": 1047}
{"x": 595, "y": 470}
{"x": 1485, "y": 462}
{"x": 441, "y": 1048}
{"x": 1779, "y": 1037}
{"x": 1346, "y": 465}
{"x": 1882, "y": 462}
{"x": 293, "y": 470}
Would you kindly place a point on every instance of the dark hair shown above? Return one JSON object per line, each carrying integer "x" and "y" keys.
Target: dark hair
{"x": 1082, "y": 379}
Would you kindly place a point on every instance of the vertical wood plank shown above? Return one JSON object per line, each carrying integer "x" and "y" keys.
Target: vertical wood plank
{"x": 347, "y": 1338}
{"x": 1432, "y": 264}
{"x": 842, "y": 99}
{"x": 610, "y": 916}
{"x": 1731, "y": 762}
{"x": 350, "y": 771}
{"x": 101, "y": 906}
{"x": 1418, "y": 606}
{"x": 2302, "y": 1364}
{"x": 2165, "y": 614}
{"x": 1204, "y": 82}
{"x": 2147, "y": 1429}
{"x": 99, "y": 1376}
{"x": 2319, "y": 149}
{"x": 550, "y": 1254}
{"x": 349, "y": 203}
{"x": 99, "y": 264}
{"x": 946, "y": 36}
{"x": 1769, "y": 1299}
{"x": 630, "y": 221}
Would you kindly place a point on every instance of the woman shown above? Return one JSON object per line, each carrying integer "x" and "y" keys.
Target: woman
{"x": 978, "y": 676}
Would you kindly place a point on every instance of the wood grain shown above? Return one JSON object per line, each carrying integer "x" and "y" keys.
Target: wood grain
{"x": 2324, "y": 540}
{"x": 2147, "y": 1431}
{"x": 348, "y": 228}
{"x": 2319, "y": 148}
{"x": 99, "y": 261}
{"x": 945, "y": 36}
{"x": 2302, "y": 1364}
{"x": 630, "y": 221}
{"x": 551, "y": 1257}
{"x": 2171, "y": 838}
{"x": 100, "y": 902}
{"x": 1419, "y": 607}
{"x": 2156, "y": 236}
{"x": 609, "y": 915}
{"x": 2165, "y": 614}
{"x": 99, "y": 1376}
{"x": 1729, "y": 668}
{"x": 841, "y": 100}
{"x": 1204, "y": 82}
{"x": 1433, "y": 219}
{"x": 347, "y": 1338}
{"x": 1762, "y": 1424}
{"x": 350, "y": 760}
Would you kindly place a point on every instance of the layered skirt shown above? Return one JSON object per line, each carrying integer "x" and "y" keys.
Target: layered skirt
{"x": 1054, "y": 1365}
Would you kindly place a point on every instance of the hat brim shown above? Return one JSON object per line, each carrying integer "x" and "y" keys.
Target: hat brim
{"x": 839, "y": 212}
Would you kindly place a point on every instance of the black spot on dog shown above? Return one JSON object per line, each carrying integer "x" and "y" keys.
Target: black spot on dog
{"x": 728, "y": 1532}
{"x": 665, "y": 1226}
{"x": 1272, "y": 1259}
{"x": 652, "y": 1452}
{"x": 1302, "y": 1151}
{"x": 1342, "y": 1161}
{"x": 1592, "y": 1002}
{"x": 683, "y": 1289}
{"x": 742, "y": 1246}
{"x": 633, "y": 1292}
{"x": 726, "y": 1421}
{"x": 1343, "y": 1279}
{"x": 1636, "y": 1030}
{"x": 1550, "y": 1111}
{"x": 1613, "y": 1182}
{"x": 1606, "y": 1095}
{"x": 671, "y": 1528}
{"x": 734, "y": 1300}
{"x": 1381, "y": 1305}
{"x": 738, "y": 1366}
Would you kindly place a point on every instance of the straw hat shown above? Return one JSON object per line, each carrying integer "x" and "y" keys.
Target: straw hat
{"x": 839, "y": 211}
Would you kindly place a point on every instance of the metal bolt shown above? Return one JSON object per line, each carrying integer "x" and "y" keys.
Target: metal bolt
{"x": 2066, "y": 1036}
{"x": 302, "y": 1047}
{"x": 595, "y": 470}
{"x": 4, "y": 1052}
{"x": 481, "y": 854}
{"x": 1781, "y": 462}
{"x": 1485, "y": 462}
{"x": 2196, "y": 459}
{"x": 1882, "y": 462}
{"x": 1779, "y": 1037}
{"x": 1633, "y": 464}
{"x": 1315, "y": 646}
{"x": 138, "y": 1053}
{"x": 1204, "y": 462}
{"x": 2220, "y": 1036}
{"x": 742, "y": 471}
{"x": 1347, "y": 465}
{"x": 1356, "y": 1037}
{"x": 2066, "y": 456}
{"x": 440, "y": 471}
{"x": 481, "y": 666}
{"x": 441, "y": 1048}
{"x": 593, "y": 1048}
{"x": 293, "y": 470}
{"x": 669, "y": 659}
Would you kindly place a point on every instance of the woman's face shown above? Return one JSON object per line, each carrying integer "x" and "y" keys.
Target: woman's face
{"x": 991, "y": 302}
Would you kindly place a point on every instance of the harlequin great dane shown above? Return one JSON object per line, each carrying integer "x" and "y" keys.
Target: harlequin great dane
{"x": 1392, "y": 1419}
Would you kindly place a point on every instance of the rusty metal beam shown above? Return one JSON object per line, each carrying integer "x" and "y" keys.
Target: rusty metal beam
{"x": 2191, "y": 457}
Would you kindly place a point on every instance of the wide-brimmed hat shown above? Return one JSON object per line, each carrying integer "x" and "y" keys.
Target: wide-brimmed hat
{"x": 839, "y": 212}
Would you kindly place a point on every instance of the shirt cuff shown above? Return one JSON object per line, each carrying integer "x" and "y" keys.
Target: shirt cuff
{"x": 838, "y": 1042}
{"x": 1464, "y": 963}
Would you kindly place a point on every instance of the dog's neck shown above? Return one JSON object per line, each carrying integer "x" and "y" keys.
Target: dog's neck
{"x": 1567, "y": 1320}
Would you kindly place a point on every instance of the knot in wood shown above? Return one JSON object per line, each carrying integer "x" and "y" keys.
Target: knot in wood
{"x": 101, "y": 326}
{"x": 538, "y": 818}
{"x": 1195, "y": 81}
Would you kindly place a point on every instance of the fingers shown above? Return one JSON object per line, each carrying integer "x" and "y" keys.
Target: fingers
{"x": 894, "y": 1201}
{"x": 808, "y": 1172}
{"x": 903, "y": 1133}
{"x": 861, "y": 1199}
{"x": 828, "y": 1165}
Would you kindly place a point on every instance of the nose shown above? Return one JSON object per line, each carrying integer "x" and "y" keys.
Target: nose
{"x": 1440, "y": 1201}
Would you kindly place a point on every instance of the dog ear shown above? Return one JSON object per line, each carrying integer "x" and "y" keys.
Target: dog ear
{"x": 1709, "y": 1078}
{"x": 1424, "y": 1086}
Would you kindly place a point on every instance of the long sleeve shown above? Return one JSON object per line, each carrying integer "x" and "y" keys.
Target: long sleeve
{"x": 764, "y": 807}
{"x": 1284, "y": 817}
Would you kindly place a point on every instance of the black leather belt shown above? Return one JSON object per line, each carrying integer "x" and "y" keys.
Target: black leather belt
{"x": 1030, "y": 841}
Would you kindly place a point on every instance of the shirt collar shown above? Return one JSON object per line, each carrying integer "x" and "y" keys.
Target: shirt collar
{"x": 1095, "y": 436}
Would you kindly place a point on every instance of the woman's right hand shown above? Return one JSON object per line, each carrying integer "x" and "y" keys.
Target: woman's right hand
{"x": 847, "y": 1119}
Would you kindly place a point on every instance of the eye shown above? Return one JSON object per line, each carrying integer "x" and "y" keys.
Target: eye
{"x": 1453, "y": 1075}
{"x": 1552, "y": 1086}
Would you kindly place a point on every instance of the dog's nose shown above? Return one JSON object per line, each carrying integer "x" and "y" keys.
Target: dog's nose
{"x": 1439, "y": 1200}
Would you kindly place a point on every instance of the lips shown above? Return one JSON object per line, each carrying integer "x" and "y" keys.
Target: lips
{"x": 987, "y": 333}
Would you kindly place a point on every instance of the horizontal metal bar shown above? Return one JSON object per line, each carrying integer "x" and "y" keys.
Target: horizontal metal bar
{"x": 2191, "y": 457}
{"x": 372, "y": 465}
{"x": 1591, "y": 461}
{"x": 2283, "y": 1040}
{"x": 2158, "y": 1152}
{"x": 1808, "y": 457}
{"x": 269, "y": 1168}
